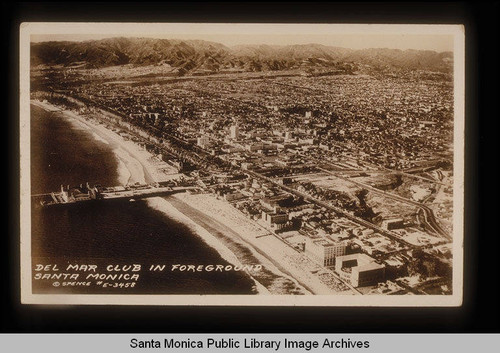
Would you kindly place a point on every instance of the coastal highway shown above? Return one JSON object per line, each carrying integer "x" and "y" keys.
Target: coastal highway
{"x": 429, "y": 218}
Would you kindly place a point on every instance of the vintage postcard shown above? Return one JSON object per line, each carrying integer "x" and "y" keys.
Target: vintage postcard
{"x": 242, "y": 164}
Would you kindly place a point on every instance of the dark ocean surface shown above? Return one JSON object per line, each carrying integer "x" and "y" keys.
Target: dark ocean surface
{"x": 118, "y": 234}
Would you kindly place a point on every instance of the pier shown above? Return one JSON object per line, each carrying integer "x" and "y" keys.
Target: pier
{"x": 97, "y": 193}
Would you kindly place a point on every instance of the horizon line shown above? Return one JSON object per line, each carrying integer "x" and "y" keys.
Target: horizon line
{"x": 97, "y": 37}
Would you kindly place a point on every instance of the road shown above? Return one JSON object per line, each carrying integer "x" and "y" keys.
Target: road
{"x": 338, "y": 210}
{"x": 429, "y": 218}
{"x": 427, "y": 212}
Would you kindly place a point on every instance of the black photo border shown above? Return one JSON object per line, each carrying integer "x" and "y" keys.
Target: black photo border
{"x": 480, "y": 309}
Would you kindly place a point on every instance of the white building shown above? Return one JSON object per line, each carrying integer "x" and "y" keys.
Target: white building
{"x": 277, "y": 221}
{"x": 203, "y": 141}
{"x": 324, "y": 251}
{"x": 235, "y": 132}
{"x": 359, "y": 269}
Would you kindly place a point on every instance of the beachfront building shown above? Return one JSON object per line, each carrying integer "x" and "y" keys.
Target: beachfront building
{"x": 324, "y": 251}
{"x": 359, "y": 269}
{"x": 276, "y": 220}
{"x": 233, "y": 196}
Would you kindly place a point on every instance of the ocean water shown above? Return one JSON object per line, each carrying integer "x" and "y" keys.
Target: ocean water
{"x": 115, "y": 236}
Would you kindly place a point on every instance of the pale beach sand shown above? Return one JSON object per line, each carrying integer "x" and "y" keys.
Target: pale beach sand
{"x": 274, "y": 277}
{"x": 212, "y": 220}
{"x": 160, "y": 204}
{"x": 271, "y": 250}
{"x": 134, "y": 166}
{"x": 132, "y": 159}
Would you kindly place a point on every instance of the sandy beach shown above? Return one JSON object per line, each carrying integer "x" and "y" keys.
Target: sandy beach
{"x": 132, "y": 159}
{"x": 236, "y": 238}
{"x": 273, "y": 253}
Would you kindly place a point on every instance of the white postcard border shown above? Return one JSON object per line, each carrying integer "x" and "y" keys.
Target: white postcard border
{"x": 137, "y": 29}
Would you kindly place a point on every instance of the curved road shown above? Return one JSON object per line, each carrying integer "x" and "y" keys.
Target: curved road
{"x": 429, "y": 218}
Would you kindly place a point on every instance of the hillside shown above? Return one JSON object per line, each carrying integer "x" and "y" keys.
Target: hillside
{"x": 196, "y": 55}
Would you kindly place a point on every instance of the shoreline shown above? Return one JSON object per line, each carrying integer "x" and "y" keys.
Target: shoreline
{"x": 128, "y": 159}
{"x": 285, "y": 259}
{"x": 236, "y": 241}
{"x": 203, "y": 211}
{"x": 162, "y": 205}
{"x": 132, "y": 167}
{"x": 132, "y": 156}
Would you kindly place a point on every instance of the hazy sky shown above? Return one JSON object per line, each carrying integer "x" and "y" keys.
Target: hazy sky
{"x": 438, "y": 38}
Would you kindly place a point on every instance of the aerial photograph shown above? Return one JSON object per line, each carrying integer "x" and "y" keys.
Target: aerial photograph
{"x": 241, "y": 162}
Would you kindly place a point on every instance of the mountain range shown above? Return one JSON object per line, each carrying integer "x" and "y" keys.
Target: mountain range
{"x": 190, "y": 56}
